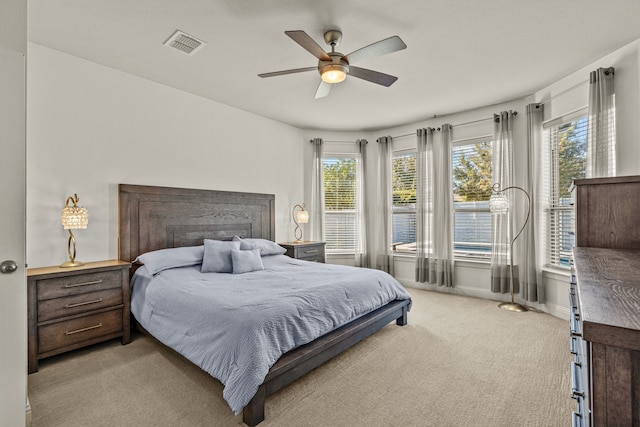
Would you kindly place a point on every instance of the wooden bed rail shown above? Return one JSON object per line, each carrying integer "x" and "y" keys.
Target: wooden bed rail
{"x": 303, "y": 359}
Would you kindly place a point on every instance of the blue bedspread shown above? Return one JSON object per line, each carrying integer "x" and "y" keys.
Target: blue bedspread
{"x": 236, "y": 326}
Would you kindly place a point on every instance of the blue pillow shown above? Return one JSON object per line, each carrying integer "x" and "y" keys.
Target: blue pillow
{"x": 163, "y": 259}
{"x": 217, "y": 256}
{"x": 266, "y": 247}
{"x": 246, "y": 261}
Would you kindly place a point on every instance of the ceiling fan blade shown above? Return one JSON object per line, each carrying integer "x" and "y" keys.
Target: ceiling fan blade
{"x": 323, "y": 89}
{"x": 382, "y": 47}
{"x": 304, "y": 40}
{"x": 372, "y": 76}
{"x": 292, "y": 71}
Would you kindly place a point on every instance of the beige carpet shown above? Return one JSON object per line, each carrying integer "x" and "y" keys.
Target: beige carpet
{"x": 460, "y": 361}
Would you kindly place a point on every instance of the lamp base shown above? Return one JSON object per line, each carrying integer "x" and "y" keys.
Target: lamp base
{"x": 71, "y": 264}
{"x": 513, "y": 307}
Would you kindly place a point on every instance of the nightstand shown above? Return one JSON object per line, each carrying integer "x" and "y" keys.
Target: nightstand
{"x": 69, "y": 308}
{"x": 308, "y": 251}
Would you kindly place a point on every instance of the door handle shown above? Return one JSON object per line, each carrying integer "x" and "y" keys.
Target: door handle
{"x": 8, "y": 266}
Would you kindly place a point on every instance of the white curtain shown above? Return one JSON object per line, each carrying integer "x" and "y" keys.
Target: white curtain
{"x": 530, "y": 256}
{"x": 365, "y": 260}
{"x": 434, "y": 208}
{"x": 316, "y": 210}
{"x": 501, "y": 233}
{"x": 383, "y": 255}
{"x": 601, "y": 140}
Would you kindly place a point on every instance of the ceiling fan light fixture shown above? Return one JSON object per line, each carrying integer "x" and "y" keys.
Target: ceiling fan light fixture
{"x": 334, "y": 73}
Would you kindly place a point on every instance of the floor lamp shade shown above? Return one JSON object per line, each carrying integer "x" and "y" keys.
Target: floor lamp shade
{"x": 499, "y": 205}
{"x": 73, "y": 217}
{"x": 300, "y": 216}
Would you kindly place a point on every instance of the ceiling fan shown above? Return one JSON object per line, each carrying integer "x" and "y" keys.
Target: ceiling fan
{"x": 334, "y": 66}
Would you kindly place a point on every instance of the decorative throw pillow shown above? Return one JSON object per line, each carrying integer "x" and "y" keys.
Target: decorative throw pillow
{"x": 217, "y": 256}
{"x": 246, "y": 261}
{"x": 164, "y": 259}
{"x": 266, "y": 247}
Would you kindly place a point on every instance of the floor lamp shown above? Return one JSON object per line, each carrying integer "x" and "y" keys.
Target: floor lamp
{"x": 499, "y": 205}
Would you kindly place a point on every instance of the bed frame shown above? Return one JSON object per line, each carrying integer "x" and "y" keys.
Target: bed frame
{"x": 152, "y": 218}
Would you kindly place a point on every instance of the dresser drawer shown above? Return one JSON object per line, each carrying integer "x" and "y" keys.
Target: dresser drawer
{"x": 78, "y": 284}
{"x": 81, "y": 303}
{"x": 74, "y": 331}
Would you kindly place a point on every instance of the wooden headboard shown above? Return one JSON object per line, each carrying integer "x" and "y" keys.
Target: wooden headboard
{"x": 152, "y": 218}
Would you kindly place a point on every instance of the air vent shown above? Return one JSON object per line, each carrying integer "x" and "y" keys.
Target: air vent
{"x": 184, "y": 43}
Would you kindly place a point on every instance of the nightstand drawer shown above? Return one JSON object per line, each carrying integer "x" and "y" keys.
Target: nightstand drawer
{"x": 67, "y": 333}
{"x": 78, "y": 284}
{"x": 67, "y": 306}
{"x": 310, "y": 253}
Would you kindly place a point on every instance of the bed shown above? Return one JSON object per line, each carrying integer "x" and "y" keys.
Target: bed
{"x": 157, "y": 218}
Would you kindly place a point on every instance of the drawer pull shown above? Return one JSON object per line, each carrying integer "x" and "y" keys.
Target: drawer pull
{"x": 311, "y": 251}
{"x": 576, "y": 383}
{"x": 573, "y": 345}
{"x": 576, "y": 325}
{"x": 75, "y": 285}
{"x": 576, "y": 420}
{"x": 572, "y": 301}
{"x": 88, "y": 328}
{"x": 78, "y": 304}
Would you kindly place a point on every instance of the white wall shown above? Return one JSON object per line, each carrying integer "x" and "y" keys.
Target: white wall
{"x": 91, "y": 127}
{"x": 571, "y": 91}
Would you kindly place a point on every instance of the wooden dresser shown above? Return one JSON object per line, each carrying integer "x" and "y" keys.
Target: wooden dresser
{"x": 69, "y": 308}
{"x": 605, "y": 302}
{"x": 308, "y": 251}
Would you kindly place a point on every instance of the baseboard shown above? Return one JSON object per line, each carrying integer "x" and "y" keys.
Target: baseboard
{"x": 27, "y": 411}
{"x": 552, "y": 309}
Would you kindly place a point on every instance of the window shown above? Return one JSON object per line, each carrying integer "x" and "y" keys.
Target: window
{"x": 341, "y": 198}
{"x": 472, "y": 181}
{"x": 567, "y": 143}
{"x": 403, "y": 175}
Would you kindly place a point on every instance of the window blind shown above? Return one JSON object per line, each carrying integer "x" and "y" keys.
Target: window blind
{"x": 342, "y": 226}
{"x": 404, "y": 202}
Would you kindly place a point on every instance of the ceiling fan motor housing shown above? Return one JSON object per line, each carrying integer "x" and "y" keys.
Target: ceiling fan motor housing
{"x": 337, "y": 63}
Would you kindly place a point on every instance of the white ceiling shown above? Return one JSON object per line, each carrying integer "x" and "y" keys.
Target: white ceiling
{"x": 461, "y": 54}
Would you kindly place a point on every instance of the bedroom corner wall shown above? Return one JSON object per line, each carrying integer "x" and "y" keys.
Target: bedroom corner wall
{"x": 91, "y": 127}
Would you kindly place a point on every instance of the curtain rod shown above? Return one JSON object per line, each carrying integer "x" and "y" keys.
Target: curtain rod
{"x": 515, "y": 113}
{"x": 352, "y": 142}
{"x": 348, "y": 141}
{"x": 564, "y": 91}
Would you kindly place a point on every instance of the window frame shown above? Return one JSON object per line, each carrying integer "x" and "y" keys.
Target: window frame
{"x": 556, "y": 237}
{"x": 470, "y": 255}
{"x": 394, "y": 246}
{"x": 357, "y": 240}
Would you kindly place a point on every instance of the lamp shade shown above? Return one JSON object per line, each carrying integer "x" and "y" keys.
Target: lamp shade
{"x": 498, "y": 203}
{"x": 302, "y": 216}
{"x": 74, "y": 217}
